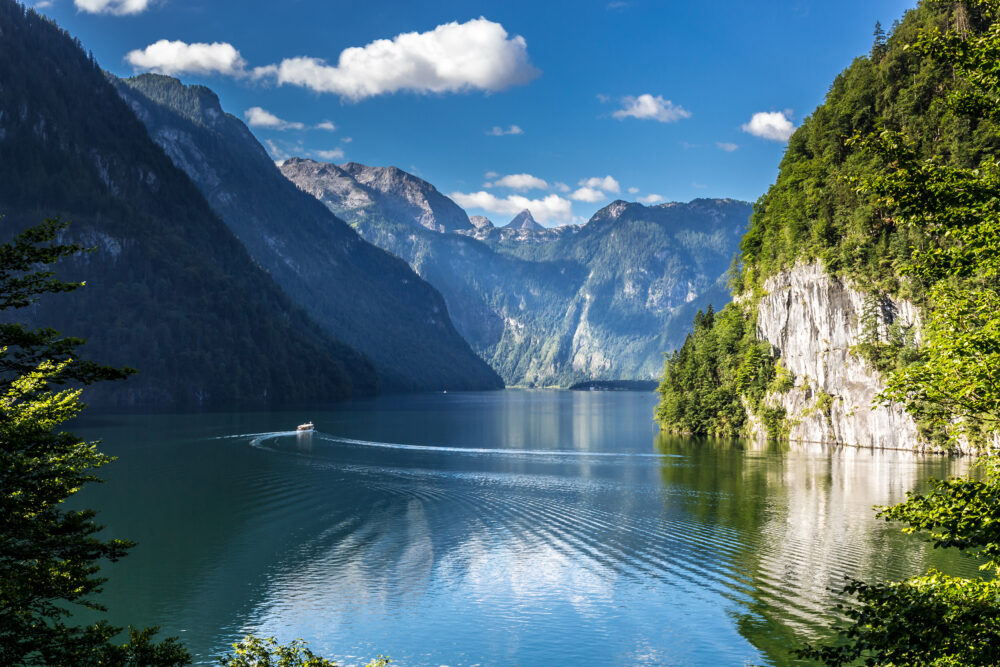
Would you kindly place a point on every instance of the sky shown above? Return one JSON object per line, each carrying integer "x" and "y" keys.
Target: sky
{"x": 556, "y": 106}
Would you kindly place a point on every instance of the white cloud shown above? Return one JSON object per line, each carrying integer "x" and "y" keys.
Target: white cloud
{"x": 696, "y": 184}
{"x": 606, "y": 183}
{"x": 257, "y": 117}
{"x": 519, "y": 182}
{"x": 603, "y": 99}
{"x": 561, "y": 187}
{"x": 454, "y": 57}
{"x": 277, "y": 152}
{"x": 491, "y": 174}
{"x": 335, "y": 154}
{"x": 651, "y": 199}
{"x": 651, "y": 108}
{"x": 773, "y": 125}
{"x": 43, "y": 4}
{"x": 327, "y": 125}
{"x": 632, "y": 191}
{"x": 178, "y": 57}
{"x": 726, "y": 146}
{"x": 117, "y": 7}
{"x": 551, "y": 208}
{"x": 497, "y": 131}
{"x": 588, "y": 195}
{"x": 347, "y": 140}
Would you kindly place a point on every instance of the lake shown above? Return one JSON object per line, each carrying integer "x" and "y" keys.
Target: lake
{"x": 517, "y": 527}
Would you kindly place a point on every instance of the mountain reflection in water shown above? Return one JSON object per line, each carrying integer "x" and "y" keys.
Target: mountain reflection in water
{"x": 515, "y": 527}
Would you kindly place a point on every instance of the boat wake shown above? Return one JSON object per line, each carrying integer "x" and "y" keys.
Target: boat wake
{"x": 263, "y": 440}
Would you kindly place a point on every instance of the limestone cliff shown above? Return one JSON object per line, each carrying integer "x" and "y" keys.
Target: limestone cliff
{"x": 814, "y": 322}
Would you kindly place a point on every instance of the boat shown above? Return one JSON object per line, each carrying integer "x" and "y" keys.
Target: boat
{"x": 308, "y": 426}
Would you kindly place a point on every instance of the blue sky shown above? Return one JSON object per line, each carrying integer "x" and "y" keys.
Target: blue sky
{"x": 658, "y": 96}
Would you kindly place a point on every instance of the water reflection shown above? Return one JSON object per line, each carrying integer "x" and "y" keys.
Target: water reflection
{"x": 501, "y": 528}
{"x": 806, "y": 514}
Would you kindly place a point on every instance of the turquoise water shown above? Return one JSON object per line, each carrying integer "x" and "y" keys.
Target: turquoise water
{"x": 501, "y": 528}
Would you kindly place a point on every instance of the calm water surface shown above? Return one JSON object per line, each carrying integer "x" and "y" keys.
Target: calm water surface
{"x": 501, "y": 528}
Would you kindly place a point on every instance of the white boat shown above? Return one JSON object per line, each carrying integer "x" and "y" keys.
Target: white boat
{"x": 308, "y": 426}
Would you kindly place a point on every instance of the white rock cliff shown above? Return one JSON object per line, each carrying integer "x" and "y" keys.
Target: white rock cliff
{"x": 814, "y": 320}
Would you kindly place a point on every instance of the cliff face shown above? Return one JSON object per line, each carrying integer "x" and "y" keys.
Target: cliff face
{"x": 813, "y": 321}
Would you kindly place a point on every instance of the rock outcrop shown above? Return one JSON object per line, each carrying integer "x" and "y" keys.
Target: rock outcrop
{"x": 814, "y": 322}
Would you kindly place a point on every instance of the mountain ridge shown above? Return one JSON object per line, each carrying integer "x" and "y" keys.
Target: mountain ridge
{"x": 401, "y": 322}
{"x": 169, "y": 289}
{"x": 556, "y": 306}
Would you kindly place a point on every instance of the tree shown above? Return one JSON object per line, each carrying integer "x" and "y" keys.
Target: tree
{"x": 254, "y": 651}
{"x": 50, "y": 555}
{"x": 879, "y": 44}
{"x": 938, "y": 619}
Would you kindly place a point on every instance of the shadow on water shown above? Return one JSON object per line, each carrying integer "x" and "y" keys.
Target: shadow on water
{"x": 512, "y": 527}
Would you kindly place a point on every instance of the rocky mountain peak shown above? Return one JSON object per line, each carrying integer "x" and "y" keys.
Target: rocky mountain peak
{"x": 397, "y": 195}
{"x": 481, "y": 222}
{"x": 523, "y": 220}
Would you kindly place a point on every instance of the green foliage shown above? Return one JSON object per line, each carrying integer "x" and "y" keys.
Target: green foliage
{"x": 934, "y": 620}
{"x": 721, "y": 366}
{"x": 49, "y": 555}
{"x": 815, "y": 211}
{"x": 254, "y": 651}
{"x": 961, "y": 512}
{"x": 939, "y": 620}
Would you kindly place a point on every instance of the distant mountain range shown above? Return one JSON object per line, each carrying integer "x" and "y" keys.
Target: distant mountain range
{"x": 225, "y": 284}
{"x": 600, "y": 301}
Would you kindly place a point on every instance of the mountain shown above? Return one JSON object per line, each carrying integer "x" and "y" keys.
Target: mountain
{"x": 380, "y": 192}
{"x": 170, "y": 290}
{"x": 481, "y": 222}
{"x": 357, "y": 292}
{"x": 823, "y": 307}
{"x": 600, "y": 301}
{"x": 523, "y": 220}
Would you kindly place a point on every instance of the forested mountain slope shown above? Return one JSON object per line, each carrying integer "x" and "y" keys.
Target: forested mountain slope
{"x": 825, "y": 309}
{"x": 169, "y": 290}
{"x": 357, "y": 292}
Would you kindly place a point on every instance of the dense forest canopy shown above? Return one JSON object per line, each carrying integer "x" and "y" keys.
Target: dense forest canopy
{"x": 819, "y": 209}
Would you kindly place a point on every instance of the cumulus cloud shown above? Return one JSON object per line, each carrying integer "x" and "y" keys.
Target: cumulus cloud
{"x": 561, "y": 187}
{"x": 327, "y": 125}
{"x": 551, "y": 208}
{"x": 651, "y": 199}
{"x": 588, "y": 195}
{"x": 117, "y": 7}
{"x": 335, "y": 154}
{"x": 632, "y": 191}
{"x": 647, "y": 107}
{"x": 166, "y": 57}
{"x": 726, "y": 146}
{"x": 258, "y": 117}
{"x": 453, "y": 57}
{"x": 518, "y": 182}
{"x": 773, "y": 125}
{"x": 497, "y": 131}
{"x": 598, "y": 183}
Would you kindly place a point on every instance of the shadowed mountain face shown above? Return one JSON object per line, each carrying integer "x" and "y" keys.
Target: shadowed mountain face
{"x": 169, "y": 289}
{"x": 601, "y": 301}
{"x": 357, "y": 292}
